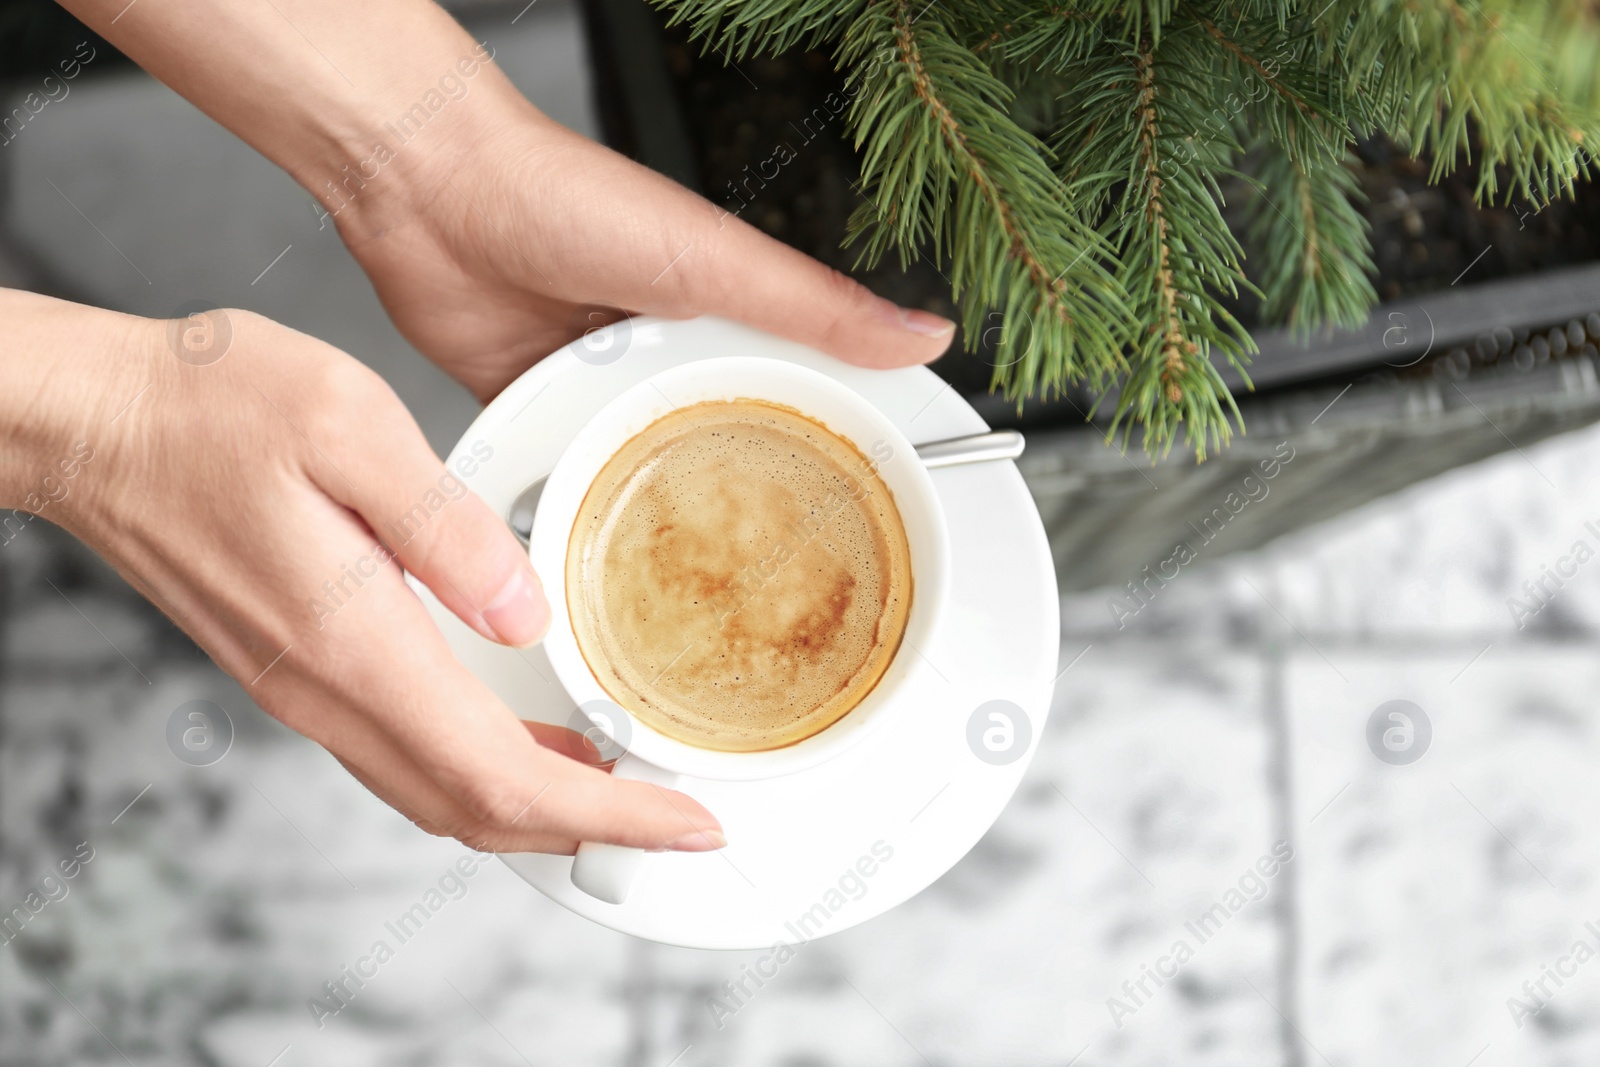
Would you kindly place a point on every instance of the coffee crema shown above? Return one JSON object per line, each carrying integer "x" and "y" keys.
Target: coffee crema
{"x": 738, "y": 576}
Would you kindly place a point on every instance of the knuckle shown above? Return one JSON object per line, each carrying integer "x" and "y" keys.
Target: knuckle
{"x": 474, "y": 836}
{"x": 480, "y": 843}
{"x": 481, "y": 837}
{"x": 846, "y": 299}
{"x": 845, "y": 292}
{"x": 473, "y": 833}
{"x": 337, "y": 392}
{"x": 462, "y": 827}
{"x": 496, "y": 806}
{"x": 247, "y": 323}
{"x": 341, "y": 384}
{"x": 420, "y": 553}
{"x": 719, "y": 287}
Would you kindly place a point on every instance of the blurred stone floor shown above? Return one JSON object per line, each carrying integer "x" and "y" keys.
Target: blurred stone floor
{"x": 1228, "y": 717}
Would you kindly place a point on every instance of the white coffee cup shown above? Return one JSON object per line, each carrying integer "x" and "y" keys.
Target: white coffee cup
{"x": 607, "y": 871}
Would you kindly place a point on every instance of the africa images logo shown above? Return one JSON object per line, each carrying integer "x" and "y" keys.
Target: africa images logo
{"x": 1399, "y": 732}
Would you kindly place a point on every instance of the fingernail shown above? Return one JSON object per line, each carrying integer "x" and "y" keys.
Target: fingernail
{"x": 518, "y": 614}
{"x": 699, "y": 841}
{"x": 920, "y": 322}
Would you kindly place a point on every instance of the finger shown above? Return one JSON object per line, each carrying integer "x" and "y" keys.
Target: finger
{"x": 569, "y": 743}
{"x": 346, "y": 682}
{"x": 555, "y": 819}
{"x": 545, "y": 792}
{"x": 736, "y": 271}
{"x": 361, "y": 744}
{"x": 464, "y": 740}
{"x": 400, "y": 790}
{"x": 708, "y": 261}
{"x": 438, "y": 529}
{"x": 591, "y": 806}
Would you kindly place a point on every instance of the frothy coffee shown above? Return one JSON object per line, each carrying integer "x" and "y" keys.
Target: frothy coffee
{"x": 738, "y": 576}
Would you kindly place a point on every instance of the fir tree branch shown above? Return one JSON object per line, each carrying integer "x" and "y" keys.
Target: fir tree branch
{"x": 1266, "y": 74}
{"x": 1296, "y": 103}
{"x": 1316, "y": 258}
{"x": 1132, "y": 19}
{"x": 738, "y": 28}
{"x": 1051, "y": 38}
{"x": 944, "y": 164}
{"x": 1176, "y": 349}
{"x": 1019, "y": 241}
{"x": 1136, "y": 140}
{"x": 1511, "y": 83}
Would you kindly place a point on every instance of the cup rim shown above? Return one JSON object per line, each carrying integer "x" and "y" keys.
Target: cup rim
{"x": 617, "y": 422}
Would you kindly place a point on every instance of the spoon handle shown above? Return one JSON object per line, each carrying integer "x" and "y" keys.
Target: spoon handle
{"x": 976, "y": 448}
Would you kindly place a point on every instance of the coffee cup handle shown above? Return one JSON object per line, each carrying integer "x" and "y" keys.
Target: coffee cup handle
{"x": 607, "y": 872}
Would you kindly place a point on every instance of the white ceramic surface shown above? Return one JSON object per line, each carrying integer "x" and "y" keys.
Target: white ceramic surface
{"x": 907, "y": 803}
{"x": 837, "y": 407}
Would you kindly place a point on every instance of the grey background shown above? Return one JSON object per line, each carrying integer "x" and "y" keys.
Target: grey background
{"x": 1228, "y": 715}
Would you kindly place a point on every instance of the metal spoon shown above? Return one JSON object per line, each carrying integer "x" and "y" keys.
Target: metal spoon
{"x": 974, "y": 448}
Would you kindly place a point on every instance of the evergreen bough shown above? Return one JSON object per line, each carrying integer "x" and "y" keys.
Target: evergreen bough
{"x": 1063, "y": 162}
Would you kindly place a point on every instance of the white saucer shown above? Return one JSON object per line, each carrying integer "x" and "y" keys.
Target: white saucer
{"x": 794, "y": 867}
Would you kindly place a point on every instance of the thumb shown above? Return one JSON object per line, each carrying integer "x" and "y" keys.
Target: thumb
{"x": 732, "y": 269}
{"x": 442, "y": 532}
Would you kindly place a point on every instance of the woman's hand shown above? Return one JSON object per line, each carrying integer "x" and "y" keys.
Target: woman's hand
{"x": 493, "y": 234}
{"x": 509, "y": 235}
{"x": 266, "y": 502}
